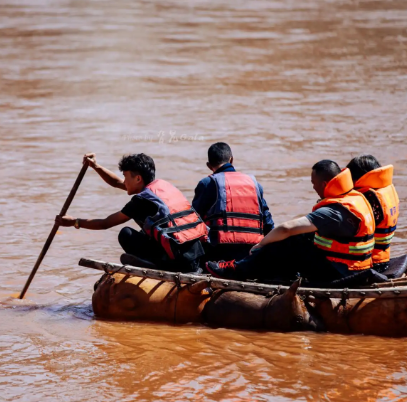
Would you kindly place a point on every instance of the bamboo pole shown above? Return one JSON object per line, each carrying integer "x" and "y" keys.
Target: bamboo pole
{"x": 54, "y": 230}
{"x": 391, "y": 284}
{"x": 251, "y": 287}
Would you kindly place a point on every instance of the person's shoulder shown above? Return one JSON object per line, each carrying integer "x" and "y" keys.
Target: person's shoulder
{"x": 338, "y": 208}
{"x": 259, "y": 185}
{"x": 326, "y": 211}
{"x": 204, "y": 182}
{"x": 342, "y": 213}
{"x": 335, "y": 206}
{"x": 331, "y": 209}
{"x": 138, "y": 200}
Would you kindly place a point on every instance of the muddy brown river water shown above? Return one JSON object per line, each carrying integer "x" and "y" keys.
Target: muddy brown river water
{"x": 286, "y": 83}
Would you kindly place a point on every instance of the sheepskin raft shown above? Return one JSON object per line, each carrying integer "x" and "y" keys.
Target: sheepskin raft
{"x": 131, "y": 293}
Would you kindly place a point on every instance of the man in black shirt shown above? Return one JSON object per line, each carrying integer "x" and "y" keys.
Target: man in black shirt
{"x": 139, "y": 172}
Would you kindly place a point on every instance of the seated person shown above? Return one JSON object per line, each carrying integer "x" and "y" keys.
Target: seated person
{"x": 376, "y": 184}
{"x": 171, "y": 229}
{"x": 232, "y": 205}
{"x": 332, "y": 242}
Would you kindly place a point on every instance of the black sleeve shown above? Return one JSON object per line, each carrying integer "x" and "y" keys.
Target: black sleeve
{"x": 268, "y": 223}
{"x": 139, "y": 209}
{"x": 205, "y": 196}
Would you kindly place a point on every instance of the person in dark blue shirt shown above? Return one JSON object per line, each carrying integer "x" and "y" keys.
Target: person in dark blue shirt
{"x": 208, "y": 193}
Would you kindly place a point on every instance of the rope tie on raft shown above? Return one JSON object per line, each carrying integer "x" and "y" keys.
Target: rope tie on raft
{"x": 178, "y": 284}
{"x": 111, "y": 270}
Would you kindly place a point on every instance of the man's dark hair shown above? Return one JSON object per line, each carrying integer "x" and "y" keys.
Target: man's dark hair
{"x": 141, "y": 164}
{"x": 219, "y": 154}
{"x": 326, "y": 169}
{"x": 362, "y": 164}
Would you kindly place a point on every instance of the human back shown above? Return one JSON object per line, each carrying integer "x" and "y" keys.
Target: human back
{"x": 331, "y": 242}
{"x": 232, "y": 205}
{"x": 236, "y": 216}
{"x": 376, "y": 184}
{"x": 355, "y": 251}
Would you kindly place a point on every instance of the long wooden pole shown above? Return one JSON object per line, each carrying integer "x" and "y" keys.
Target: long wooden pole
{"x": 54, "y": 230}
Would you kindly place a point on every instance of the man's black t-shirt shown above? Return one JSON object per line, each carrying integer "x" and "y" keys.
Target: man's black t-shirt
{"x": 335, "y": 220}
{"x": 140, "y": 208}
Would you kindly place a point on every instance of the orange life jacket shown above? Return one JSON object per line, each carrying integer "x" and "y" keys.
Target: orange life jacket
{"x": 355, "y": 252}
{"x": 236, "y": 216}
{"x": 379, "y": 182}
{"x": 175, "y": 222}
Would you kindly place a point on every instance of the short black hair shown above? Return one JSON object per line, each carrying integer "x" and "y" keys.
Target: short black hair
{"x": 362, "y": 164}
{"x": 326, "y": 169}
{"x": 141, "y": 164}
{"x": 219, "y": 154}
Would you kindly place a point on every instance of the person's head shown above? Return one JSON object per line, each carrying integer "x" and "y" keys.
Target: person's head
{"x": 322, "y": 173}
{"x": 219, "y": 154}
{"x": 138, "y": 171}
{"x": 362, "y": 164}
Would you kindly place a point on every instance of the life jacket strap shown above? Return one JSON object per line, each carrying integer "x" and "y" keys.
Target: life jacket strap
{"x": 230, "y": 228}
{"x": 357, "y": 251}
{"x": 381, "y": 247}
{"x": 174, "y": 229}
{"x": 350, "y": 257}
{"x": 172, "y": 217}
{"x": 241, "y": 229}
{"x": 239, "y": 215}
{"x": 360, "y": 239}
{"x": 386, "y": 230}
{"x": 159, "y": 231}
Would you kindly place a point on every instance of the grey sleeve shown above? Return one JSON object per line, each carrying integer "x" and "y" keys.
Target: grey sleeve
{"x": 335, "y": 219}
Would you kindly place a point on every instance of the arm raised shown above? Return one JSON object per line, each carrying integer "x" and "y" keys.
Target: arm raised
{"x": 108, "y": 176}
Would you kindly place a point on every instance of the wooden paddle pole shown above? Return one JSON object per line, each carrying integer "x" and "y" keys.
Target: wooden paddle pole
{"x": 54, "y": 230}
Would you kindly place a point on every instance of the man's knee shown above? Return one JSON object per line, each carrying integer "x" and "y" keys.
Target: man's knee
{"x": 124, "y": 235}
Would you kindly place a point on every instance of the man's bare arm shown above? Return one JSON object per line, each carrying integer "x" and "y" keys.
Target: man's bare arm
{"x": 108, "y": 176}
{"x": 94, "y": 224}
{"x": 287, "y": 229}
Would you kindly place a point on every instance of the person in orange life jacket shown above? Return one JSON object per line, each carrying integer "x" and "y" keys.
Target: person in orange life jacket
{"x": 171, "y": 229}
{"x": 232, "y": 205}
{"x": 333, "y": 241}
{"x": 376, "y": 184}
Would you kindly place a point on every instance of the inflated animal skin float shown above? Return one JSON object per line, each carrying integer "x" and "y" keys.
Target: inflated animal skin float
{"x": 130, "y": 293}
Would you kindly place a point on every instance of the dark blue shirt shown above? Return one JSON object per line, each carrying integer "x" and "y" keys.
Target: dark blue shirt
{"x": 206, "y": 194}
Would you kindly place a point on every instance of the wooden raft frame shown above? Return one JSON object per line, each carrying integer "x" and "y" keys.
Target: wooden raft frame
{"x": 251, "y": 287}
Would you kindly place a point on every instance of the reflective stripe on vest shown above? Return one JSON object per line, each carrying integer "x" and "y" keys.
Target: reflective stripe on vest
{"x": 355, "y": 252}
{"x": 379, "y": 182}
{"x": 236, "y": 215}
{"x": 361, "y": 250}
{"x": 175, "y": 222}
